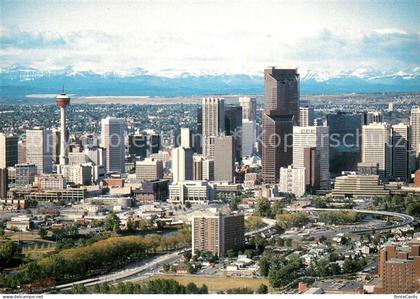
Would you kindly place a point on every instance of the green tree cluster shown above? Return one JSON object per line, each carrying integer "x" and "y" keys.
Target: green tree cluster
{"x": 155, "y": 286}
{"x": 339, "y": 217}
{"x": 288, "y": 220}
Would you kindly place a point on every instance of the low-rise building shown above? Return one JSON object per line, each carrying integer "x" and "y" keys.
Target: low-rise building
{"x": 358, "y": 186}
{"x": 20, "y": 223}
{"x": 195, "y": 192}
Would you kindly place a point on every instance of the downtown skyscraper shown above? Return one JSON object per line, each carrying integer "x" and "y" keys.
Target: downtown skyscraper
{"x": 112, "y": 130}
{"x": 213, "y": 122}
{"x": 281, "y": 113}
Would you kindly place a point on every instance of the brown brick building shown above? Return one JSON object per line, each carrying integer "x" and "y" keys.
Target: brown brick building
{"x": 399, "y": 269}
{"x": 217, "y": 233}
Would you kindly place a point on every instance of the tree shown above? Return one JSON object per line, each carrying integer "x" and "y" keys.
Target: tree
{"x": 191, "y": 288}
{"x": 230, "y": 253}
{"x": 8, "y": 251}
{"x": 104, "y": 288}
{"x": 112, "y": 222}
{"x": 344, "y": 240}
{"x": 78, "y": 289}
{"x": 42, "y": 233}
{"x": 204, "y": 289}
{"x": 413, "y": 209}
{"x": 188, "y": 205}
{"x": 262, "y": 289}
{"x": 263, "y": 207}
{"x": 288, "y": 220}
{"x": 277, "y": 208}
{"x": 166, "y": 267}
{"x": 131, "y": 225}
{"x": 249, "y": 253}
{"x": 264, "y": 265}
{"x": 283, "y": 271}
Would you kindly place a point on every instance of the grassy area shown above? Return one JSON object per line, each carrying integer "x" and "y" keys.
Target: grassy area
{"x": 216, "y": 283}
{"x": 35, "y": 254}
{"x": 23, "y": 236}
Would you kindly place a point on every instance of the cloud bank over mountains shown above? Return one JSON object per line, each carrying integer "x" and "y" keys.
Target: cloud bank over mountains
{"x": 327, "y": 53}
{"x": 209, "y": 46}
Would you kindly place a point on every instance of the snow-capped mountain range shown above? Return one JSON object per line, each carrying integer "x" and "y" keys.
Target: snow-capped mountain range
{"x": 18, "y": 81}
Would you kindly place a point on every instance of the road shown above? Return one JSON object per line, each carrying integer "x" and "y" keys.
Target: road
{"x": 270, "y": 224}
{"x": 406, "y": 219}
{"x": 131, "y": 270}
{"x": 355, "y": 229}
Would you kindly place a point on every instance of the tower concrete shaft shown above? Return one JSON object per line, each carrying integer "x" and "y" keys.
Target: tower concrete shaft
{"x": 63, "y": 139}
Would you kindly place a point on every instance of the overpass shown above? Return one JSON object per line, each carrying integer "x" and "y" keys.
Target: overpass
{"x": 405, "y": 219}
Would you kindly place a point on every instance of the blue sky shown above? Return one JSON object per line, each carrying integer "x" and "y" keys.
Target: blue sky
{"x": 212, "y": 37}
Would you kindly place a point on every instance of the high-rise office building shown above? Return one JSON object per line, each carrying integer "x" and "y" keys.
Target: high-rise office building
{"x": 153, "y": 142}
{"x": 345, "y": 130}
{"x": 22, "y": 151}
{"x": 208, "y": 169}
{"x": 415, "y": 132}
{"x": 78, "y": 174}
{"x": 306, "y": 116}
{"x": 112, "y": 139}
{"x": 213, "y": 122}
{"x": 62, "y": 101}
{"x": 38, "y": 150}
{"x": 281, "y": 112}
{"x": 218, "y": 233}
{"x": 25, "y": 174}
{"x": 55, "y": 139}
{"x": 149, "y": 169}
{"x": 8, "y": 150}
{"x": 372, "y": 117}
{"x": 377, "y": 147}
{"x": 313, "y": 137}
{"x": 186, "y": 138}
{"x": 137, "y": 146}
{"x": 249, "y": 129}
{"x": 311, "y": 162}
{"x": 233, "y": 127}
{"x": 249, "y": 108}
{"x": 224, "y": 158}
{"x": 198, "y": 140}
{"x": 292, "y": 180}
{"x": 400, "y": 152}
{"x": 182, "y": 164}
{"x": 96, "y": 156}
{"x": 198, "y": 168}
{"x": 3, "y": 183}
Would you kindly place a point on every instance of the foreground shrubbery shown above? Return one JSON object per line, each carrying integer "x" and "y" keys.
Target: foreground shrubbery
{"x": 155, "y": 286}
{"x": 99, "y": 257}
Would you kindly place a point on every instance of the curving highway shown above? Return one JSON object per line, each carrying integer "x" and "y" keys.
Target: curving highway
{"x": 405, "y": 219}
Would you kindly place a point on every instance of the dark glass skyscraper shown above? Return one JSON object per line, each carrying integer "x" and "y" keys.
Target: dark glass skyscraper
{"x": 345, "y": 130}
{"x": 233, "y": 127}
{"x": 281, "y": 113}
